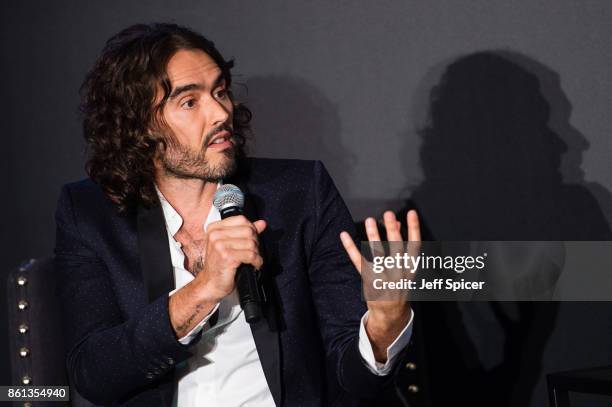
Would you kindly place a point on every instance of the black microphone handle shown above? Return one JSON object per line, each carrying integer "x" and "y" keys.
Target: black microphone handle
{"x": 248, "y": 292}
{"x": 246, "y": 280}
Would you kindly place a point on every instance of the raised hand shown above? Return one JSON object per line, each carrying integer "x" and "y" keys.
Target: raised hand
{"x": 386, "y": 318}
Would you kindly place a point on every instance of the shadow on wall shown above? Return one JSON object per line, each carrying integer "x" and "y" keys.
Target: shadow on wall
{"x": 501, "y": 161}
{"x": 499, "y": 141}
{"x": 559, "y": 123}
{"x": 293, "y": 119}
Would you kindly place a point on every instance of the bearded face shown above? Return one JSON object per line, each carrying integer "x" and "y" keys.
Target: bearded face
{"x": 183, "y": 161}
{"x": 198, "y": 120}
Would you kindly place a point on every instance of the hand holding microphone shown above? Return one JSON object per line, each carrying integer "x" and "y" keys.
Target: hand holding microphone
{"x": 232, "y": 258}
{"x": 232, "y": 252}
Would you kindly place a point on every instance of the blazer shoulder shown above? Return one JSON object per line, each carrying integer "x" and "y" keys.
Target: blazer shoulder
{"x": 279, "y": 164}
{"x": 84, "y": 189}
{"x": 85, "y": 194}
{"x": 282, "y": 172}
{"x": 85, "y": 185}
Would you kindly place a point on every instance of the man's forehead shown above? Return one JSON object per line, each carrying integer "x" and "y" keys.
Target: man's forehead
{"x": 192, "y": 65}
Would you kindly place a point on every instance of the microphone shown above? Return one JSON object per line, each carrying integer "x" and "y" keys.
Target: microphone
{"x": 229, "y": 201}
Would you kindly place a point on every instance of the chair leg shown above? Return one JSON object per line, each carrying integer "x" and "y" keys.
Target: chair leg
{"x": 556, "y": 397}
{"x": 559, "y": 398}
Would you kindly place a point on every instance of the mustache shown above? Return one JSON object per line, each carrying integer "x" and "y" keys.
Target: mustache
{"x": 217, "y": 130}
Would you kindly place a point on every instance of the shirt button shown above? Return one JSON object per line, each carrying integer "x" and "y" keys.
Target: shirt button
{"x": 170, "y": 361}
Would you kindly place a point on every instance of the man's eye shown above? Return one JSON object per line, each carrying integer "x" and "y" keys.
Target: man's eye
{"x": 188, "y": 104}
{"x": 221, "y": 94}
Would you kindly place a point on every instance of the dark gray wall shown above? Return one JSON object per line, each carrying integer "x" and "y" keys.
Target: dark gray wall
{"x": 344, "y": 82}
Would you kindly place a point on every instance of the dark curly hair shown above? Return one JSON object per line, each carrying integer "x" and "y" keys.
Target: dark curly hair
{"x": 118, "y": 107}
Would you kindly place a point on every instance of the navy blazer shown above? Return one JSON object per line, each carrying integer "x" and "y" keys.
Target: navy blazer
{"x": 115, "y": 273}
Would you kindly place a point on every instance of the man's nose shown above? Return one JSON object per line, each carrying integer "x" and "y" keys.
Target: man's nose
{"x": 220, "y": 113}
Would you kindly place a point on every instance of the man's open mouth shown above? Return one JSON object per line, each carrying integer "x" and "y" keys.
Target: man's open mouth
{"x": 221, "y": 138}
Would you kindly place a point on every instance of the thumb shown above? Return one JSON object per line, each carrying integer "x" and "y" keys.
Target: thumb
{"x": 260, "y": 225}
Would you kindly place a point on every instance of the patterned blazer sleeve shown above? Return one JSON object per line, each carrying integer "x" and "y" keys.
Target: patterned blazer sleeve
{"x": 108, "y": 358}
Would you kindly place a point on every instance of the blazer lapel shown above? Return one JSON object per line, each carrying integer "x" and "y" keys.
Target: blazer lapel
{"x": 265, "y": 331}
{"x": 154, "y": 252}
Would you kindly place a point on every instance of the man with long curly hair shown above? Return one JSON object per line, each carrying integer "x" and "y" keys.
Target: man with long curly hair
{"x": 147, "y": 267}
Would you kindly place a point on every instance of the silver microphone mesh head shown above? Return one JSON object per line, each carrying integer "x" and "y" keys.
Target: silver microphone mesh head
{"x": 228, "y": 195}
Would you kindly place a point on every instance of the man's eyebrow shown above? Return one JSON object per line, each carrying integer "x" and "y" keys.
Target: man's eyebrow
{"x": 185, "y": 88}
{"x": 220, "y": 79}
{"x": 194, "y": 86}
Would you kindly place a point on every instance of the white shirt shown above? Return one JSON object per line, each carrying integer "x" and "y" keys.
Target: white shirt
{"x": 225, "y": 369}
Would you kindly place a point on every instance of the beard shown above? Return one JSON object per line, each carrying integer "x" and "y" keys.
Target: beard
{"x": 180, "y": 161}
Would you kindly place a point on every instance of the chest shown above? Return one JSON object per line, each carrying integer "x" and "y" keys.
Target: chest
{"x": 192, "y": 245}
